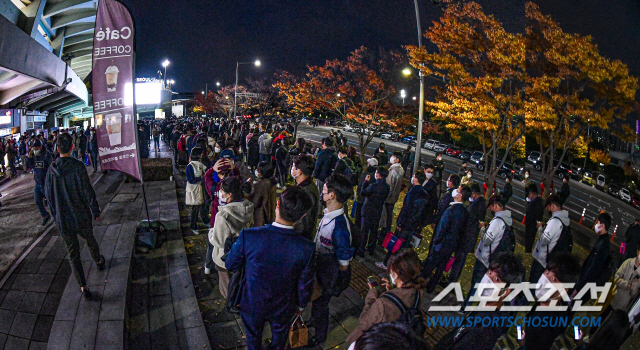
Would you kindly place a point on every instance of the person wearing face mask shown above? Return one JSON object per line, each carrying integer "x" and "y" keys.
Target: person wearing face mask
{"x": 301, "y": 171}
{"x": 466, "y": 178}
{"x": 452, "y": 183}
{"x": 561, "y": 268}
{"x": 406, "y": 285}
{"x": 344, "y": 165}
{"x": 438, "y": 167}
{"x": 446, "y": 237}
{"x": 39, "y": 159}
{"x": 381, "y": 154}
{"x": 372, "y": 165}
{"x": 555, "y": 237}
{"x": 253, "y": 149}
{"x": 477, "y": 211}
{"x": 527, "y": 179}
{"x": 411, "y": 217}
{"x": 499, "y": 228}
{"x": 463, "y": 169}
{"x": 598, "y": 265}
{"x": 505, "y": 269}
{"x": 374, "y": 195}
{"x": 533, "y": 214}
{"x": 325, "y": 163}
{"x": 194, "y": 194}
{"x": 431, "y": 187}
{"x": 263, "y": 195}
{"x": 394, "y": 180}
{"x": 235, "y": 213}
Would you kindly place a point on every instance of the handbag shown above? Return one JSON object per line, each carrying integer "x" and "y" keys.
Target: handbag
{"x": 447, "y": 268}
{"x": 298, "y": 333}
{"x": 87, "y": 160}
{"x": 415, "y": 240}
{"x": 623, "y": 248}
{"x": 392, "y": 242}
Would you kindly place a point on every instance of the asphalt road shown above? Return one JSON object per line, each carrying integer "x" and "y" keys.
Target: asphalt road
{"x": 582, "y": 196}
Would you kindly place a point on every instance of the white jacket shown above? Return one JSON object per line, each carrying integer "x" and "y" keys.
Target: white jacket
{"x": 490, "y": 237}
{"x": 230, "y": 220}
{"x": 548, "y": 238}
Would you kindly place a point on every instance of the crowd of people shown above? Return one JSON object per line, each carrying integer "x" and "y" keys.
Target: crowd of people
{"x": 277, "y": 211}
{"x": 296, "y": 248}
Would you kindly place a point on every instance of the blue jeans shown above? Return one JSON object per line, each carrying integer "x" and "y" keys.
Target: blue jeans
{"x": 156, "y": 142}
{"x": 38, "y": 195}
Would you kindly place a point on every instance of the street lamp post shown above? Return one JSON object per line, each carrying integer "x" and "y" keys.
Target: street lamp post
{"x": 416, "y": 162}
{"x": 584, "y": 168}
{"x": 235, "y": 87}
{"x": 165, "y": 64}
{"x": 403, "y": 94}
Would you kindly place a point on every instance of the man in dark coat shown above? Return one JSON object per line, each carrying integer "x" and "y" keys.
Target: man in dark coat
{"x": 431, "y": 187}
{"x": 375, "y": 194}
{"x": 463, "y": 169}
{"x": 631, "y": 239}
{"x": 372, "y": 165}
{"x": 533, "y": 214}
{"x": 507, "y": 191}
{"x": 39, "y": 159}
{"x": 438, "y": 167}
{"x": 597, "y": 267}
{"x": 253, "y": 150}
{"x": 452, "y": 183}
{"x": 93, "y": 149}
{"x": 324, "y": 165}
{"x": 411, "y": 217}
{"x": 564, "y": 190}
{"x": 73, "y": 203}
{"x": 446, "y": 237}
{"x": 301, "y": 171}
{"x": 477, "y": 211}
{"x": 279, "y": 268}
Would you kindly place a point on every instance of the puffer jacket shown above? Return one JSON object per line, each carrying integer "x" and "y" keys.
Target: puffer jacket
{"x": 394, "y": 179}
{"x": 230, "y": 220}
{"x": 548, "y": 237}
{"x": 452, "y": 225}
{"x": 492, "y": 236}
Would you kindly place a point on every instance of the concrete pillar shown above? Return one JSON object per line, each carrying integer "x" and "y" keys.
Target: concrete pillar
{"x": 33, "y": 12}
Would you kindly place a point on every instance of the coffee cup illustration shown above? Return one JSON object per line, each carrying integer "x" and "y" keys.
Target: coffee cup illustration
{"x": 112, "y": 78}
{"x": 114, "y": 128}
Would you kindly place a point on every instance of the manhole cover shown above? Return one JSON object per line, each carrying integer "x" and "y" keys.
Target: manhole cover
{"x": 124, "y": 197}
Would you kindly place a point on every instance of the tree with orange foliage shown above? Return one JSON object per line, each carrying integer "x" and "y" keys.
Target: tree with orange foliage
{"x": 360, "y": 90}
{"x": 481, "y": 71}
{"x": 569, "y": 87}
{"x": 296, "y": 100}
{"x": 206, "y": 104}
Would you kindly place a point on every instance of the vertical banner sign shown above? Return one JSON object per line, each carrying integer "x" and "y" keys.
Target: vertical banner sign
{"x": 112, "y": 85}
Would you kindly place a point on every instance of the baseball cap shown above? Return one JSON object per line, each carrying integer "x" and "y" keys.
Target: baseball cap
{"x": 227, "y": 153}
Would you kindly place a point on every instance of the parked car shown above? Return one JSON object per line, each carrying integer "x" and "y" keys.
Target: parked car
{"x": 600, "y": 182}
{"x": 625, "y": 195}
{"x": 477, "y": 157}
{"x": 635, "y": 202}
{"x": 563, "y": 170}
{"x": 614, "y": 189}
{"x": 348, "y": 128}
{"x": 409, "y": 139}
{"x": 386, "y": 136}
{"x": 453, "y": 151}
{"x": 464, "y": 155}
{"x": 587, "y": 178}
{"x": 440, "y": 147}
{"x": 576, "y": 172}
{"x": 429, "y": 144}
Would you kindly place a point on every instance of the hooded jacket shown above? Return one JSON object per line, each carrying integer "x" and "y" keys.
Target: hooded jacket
{"x": 70, "y": 195}
{"x": 265, "y": 143}
{"x": 492, "y": 236}
{"x": 325, "y": 163}
{"x": 230, "y": 220}
{"x": 548, "y": 238}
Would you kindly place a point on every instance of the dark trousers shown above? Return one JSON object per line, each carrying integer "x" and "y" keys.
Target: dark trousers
{"x": 358, "y": 219}
{"x": 38, "y": 195}
{"x": 94, "y": 160}
{"x": 73, "y": 248}
{"x": 326, "y": 274}
{"x": 320, "y": 185}
{"x": 264, "y": 157}
{"x": 536, "y": 271}
{"x": 479, "y": 270}
{"x": 388, "y": 207}
{"x": 369, "y": 230}
{"x": 458, "y": 265}
{"x": 195, "y": 211}
{"x": 437, "y": 260}
{"x": 529, "y": 239}
{"x": 156, "y": 143}
{"x": 254, "y": 324}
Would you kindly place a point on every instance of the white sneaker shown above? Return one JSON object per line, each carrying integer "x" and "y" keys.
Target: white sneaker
{"x": 207, "y": 270}
{"x": 381, "y": 265}
{"x": 195, "y": 232}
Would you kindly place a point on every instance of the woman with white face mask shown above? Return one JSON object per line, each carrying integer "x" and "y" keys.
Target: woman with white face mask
{"x": 403, "y": 285}
{"x": 561, "y": 268}
{"x": 263, "y": 195}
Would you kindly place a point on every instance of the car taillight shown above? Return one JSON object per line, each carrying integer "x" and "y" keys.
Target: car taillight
{"x": 570, "y": 171}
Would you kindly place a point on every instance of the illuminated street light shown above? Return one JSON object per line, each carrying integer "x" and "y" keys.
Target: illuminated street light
{"x": 203, "y": 92}
{"x": 406, "y": 71}
{"x": 257, "y": 63}
{"x": 165, "y": 64}
{"x": 414, "y": 98}
{"x": 217, "y": 83}
{"x": 403, "y": 94}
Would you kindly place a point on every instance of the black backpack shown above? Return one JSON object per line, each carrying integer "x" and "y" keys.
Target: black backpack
{"x": 508, "y": 241}
{"x": 350, "y": 171}
{"x": 565, "y": 242}
{"x": 412, "y": 317}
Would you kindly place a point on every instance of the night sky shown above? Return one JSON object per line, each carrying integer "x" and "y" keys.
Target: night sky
{"x": 204, "y": 38}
